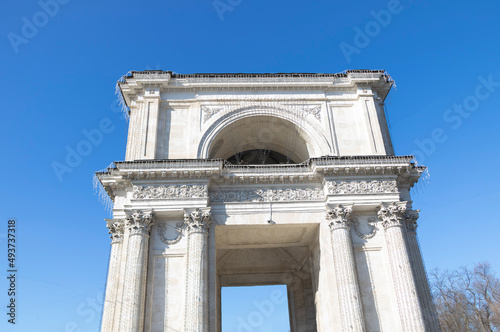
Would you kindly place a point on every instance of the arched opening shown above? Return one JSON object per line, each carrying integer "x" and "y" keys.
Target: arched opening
{"x": 259, "y": 157}
{"x": 261, "y": 139}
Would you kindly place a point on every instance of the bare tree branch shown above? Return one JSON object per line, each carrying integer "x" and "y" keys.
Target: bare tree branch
{"x": 467, "y": 299}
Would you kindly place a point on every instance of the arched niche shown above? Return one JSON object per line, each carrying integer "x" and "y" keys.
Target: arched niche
{"x": 262, "y": 129}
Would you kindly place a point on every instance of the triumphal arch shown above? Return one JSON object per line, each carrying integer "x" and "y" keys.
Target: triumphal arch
{"x": 260, "y": 179}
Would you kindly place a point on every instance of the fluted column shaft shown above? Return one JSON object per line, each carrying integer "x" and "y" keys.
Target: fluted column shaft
{"x": 196, "y": 312}
{"x": 417, "y": 263}
{"x": 393, "y": 220}
{"x": 116, "y": 228}
{"x": 345, "y": 269}
{"x": 134, "y": 294}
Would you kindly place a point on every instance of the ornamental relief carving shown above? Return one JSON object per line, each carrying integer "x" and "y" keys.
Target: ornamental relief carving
{"x": 267, "y": 195}
{"x": 392, "y": 215}
{"x": 140, "y": 222}
{"x": 116, "y": 230}
{"x": 198, "y": 221}
{"x": 162, "y": 231}
{"x": 338, "y": 217}
{"x": 372, "y": 222}
{"x": 411, "y": 217}
{"x": 314, "y": 111}
{"x": 361, "y": 187}
{"x": 170, "y": 192}
{"x": 209, "y": 112}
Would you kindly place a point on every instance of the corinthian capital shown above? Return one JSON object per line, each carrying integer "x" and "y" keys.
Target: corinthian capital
{"x": 392, "y": 214}
{"x": 116, "y": 228}
{"x": 140, "y": 222}
{"x": 411, "y": 217}
{"x": 198, "y": 220}
{"x": 338, "y": 217}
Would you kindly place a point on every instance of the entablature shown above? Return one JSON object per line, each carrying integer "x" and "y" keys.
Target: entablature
{"x": 218, "y": 180}
{"x": 152, "y": 83}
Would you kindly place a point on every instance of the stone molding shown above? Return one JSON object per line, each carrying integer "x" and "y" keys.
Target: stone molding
{"x": 140, "y": 222}
{"x": 121, "y": 176}
{"x": 338, "y": 217}
{"x": 198, "y": 221}
{"x": 361, "y": 187}
{"x": 392, "y": 215}
{"x": 267, "y": 195}
{"x": 116, "y": 229}
{"x": 170, "y": 192}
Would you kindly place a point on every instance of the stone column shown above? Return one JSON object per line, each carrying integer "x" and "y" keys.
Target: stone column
{"x": 196, "y": 313}
{"x": 345, "y": 269}
{"x": 423, "y": 290}
{"x": 116, "y": 228}
{"x": 134, "y": 293}
{"x": 393, "y": 220}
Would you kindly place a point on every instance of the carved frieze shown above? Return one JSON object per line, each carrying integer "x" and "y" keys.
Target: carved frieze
{"x": 361, "y": 187}
{"x": 170, "y": 192}
{"x": 267, "y": 195}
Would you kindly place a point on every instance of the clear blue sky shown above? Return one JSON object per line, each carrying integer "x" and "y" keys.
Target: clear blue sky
{"x": 58, "y": 80}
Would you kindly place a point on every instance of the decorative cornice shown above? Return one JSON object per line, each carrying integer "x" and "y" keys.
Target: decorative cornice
{"x": 310, "y": 173}
{"x": 267, "y": 195}
{"x": 170, "y": 192}
{"x": 198, "y": 221}
{"x": 140, "y": 222}
{"x": 361, "y": 187}
{"x": 338, "y": 217}
{"x": 411, "y": 217}
{"x": 162, "y": 230}
{"x": 392, "y": 215}
{"x": 116, "y": 228}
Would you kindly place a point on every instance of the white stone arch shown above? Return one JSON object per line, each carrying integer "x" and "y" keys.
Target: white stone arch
{"x": 311, "y": 141}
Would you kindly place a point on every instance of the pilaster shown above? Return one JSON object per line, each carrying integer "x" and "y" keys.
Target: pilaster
{"x": 393, "y": 221}
{"x": 345, "y": 269}
{"x": 198, "y": 224}
{"x": 423, "y": 290}
{"x": 116, "y": 229}
{"x": 132, "y": 313}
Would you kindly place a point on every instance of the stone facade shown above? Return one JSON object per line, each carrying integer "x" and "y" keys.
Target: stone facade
{"x": 258, "y": 179}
